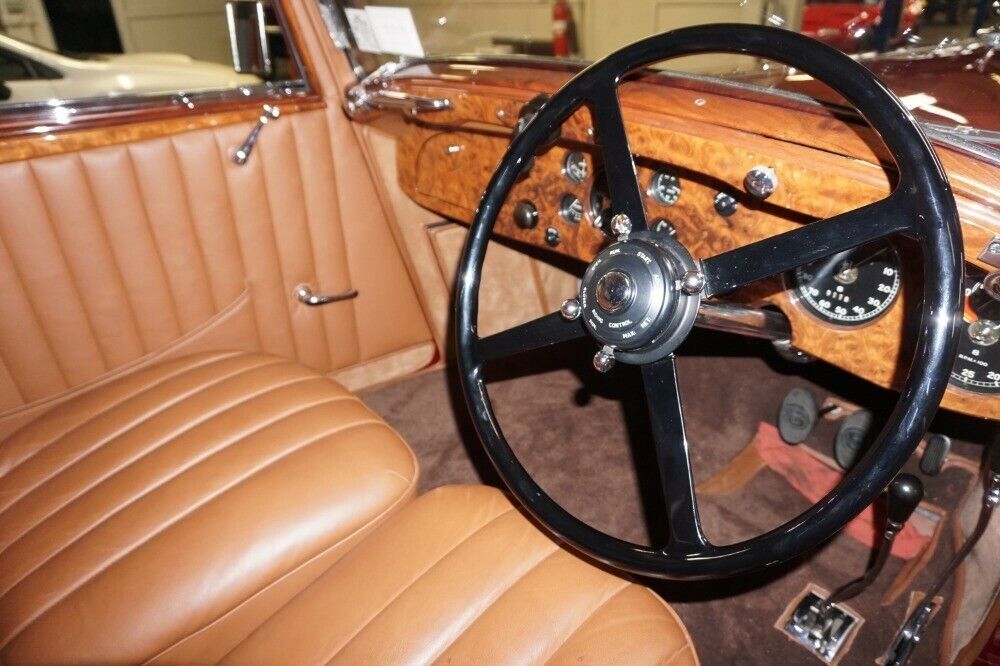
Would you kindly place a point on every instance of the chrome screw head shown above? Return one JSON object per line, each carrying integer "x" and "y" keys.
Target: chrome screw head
{"x": 570, "y": 309}
{"x": 621, "y": 225}
{"x": 604, "y": 360}
{"x": 692, "y": 282}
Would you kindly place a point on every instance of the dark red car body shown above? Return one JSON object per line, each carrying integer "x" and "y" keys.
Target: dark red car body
{"x": 849, "y": 26}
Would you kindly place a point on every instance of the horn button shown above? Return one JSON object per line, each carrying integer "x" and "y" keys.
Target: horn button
{"x": 632, "y": 300}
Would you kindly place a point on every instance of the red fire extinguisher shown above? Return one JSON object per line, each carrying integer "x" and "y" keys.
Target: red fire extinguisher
{"x": 561, "y": 19}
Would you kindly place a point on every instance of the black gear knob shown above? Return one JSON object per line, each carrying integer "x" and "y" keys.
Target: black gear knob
{"x": 905, "y": 493}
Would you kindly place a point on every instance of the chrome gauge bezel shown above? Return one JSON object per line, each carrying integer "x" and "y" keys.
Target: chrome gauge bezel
{"x": 653, "y": 192}
{"x": 567, "y": 171}
{"x": 565, "y": 206}
{"x": 813, "y": 308}
{"x": 967, "y": 348}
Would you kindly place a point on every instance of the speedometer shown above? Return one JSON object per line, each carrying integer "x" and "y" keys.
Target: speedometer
{"x": 850, "y": 288}
{"x": 977, "y": 364}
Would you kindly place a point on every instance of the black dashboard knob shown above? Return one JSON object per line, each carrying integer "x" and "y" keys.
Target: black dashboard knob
{"x": 525, "y": 215}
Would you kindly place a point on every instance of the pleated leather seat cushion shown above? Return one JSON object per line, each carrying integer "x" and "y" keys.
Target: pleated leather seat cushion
{"x": 170, "y": 513}
{"x": 459, "y": 576}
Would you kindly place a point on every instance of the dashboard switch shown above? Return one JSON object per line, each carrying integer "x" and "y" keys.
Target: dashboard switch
{"x": 552, "y": 237}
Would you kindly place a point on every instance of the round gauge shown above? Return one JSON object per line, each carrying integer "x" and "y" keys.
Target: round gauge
{"x": 977, "y": 364}
{"x": 575, "y": 167}
{"x": 664, "y": 187}
{"x": 571, "y": 209}
{"x": 850, "y": 288}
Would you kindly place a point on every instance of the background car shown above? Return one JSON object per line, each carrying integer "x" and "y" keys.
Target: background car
{"x": 31, "y": 73}
{"x": 850, "y": 25}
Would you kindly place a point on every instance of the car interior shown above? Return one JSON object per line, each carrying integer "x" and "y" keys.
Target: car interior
{"x": 490, "y": 332}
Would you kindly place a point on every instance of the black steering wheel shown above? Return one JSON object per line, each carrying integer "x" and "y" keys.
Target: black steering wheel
{"x": 639, "y": 297}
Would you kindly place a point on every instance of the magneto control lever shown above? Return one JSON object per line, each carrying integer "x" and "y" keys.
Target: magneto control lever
{"x": 820, "y": 624}
{"x": 908, "y": 637}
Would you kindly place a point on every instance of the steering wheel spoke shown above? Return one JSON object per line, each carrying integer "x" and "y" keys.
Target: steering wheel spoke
{"x": 545, "y": 331}
{"x": 816, "y": 240}
{"x": 666, "y": 417}
{"x": 619, "y": 166}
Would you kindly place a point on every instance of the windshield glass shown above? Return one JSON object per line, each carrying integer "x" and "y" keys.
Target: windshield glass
{"x": 939, "y": 56}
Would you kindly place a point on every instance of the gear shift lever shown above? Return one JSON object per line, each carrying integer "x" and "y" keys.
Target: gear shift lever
{"x": 819, "y": 623}
{"x": 904, "y": 494}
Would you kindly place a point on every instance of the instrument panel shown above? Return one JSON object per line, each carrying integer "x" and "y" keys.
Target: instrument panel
{"x": 847, "y": 310}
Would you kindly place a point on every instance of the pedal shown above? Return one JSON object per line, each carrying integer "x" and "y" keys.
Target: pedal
{"x": 935, "y": 454}
{"x": 798, "y": 416}
{"x": 824, "y": 629}
{"x": 852, "y": 438}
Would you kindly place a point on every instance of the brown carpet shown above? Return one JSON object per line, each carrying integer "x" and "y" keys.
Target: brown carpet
{"x": 572, "y": 429}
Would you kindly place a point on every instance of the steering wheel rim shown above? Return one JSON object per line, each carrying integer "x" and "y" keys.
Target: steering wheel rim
{"x": 920, "y": 206}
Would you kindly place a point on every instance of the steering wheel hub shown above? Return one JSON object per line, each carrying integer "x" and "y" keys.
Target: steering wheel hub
{"x": 632, "y": 300}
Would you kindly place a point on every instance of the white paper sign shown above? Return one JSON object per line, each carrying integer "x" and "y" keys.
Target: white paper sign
{"x": 362, "y": 29}
{"x": 395, "y": 31}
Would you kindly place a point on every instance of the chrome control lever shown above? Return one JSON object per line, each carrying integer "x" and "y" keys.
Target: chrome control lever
{"x": 242, "y": 154}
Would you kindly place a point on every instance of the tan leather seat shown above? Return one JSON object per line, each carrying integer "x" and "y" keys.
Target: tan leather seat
{"x": 240, "y": 506}
{"x": 171, "y": 512}
{"x": 460, "y": 576}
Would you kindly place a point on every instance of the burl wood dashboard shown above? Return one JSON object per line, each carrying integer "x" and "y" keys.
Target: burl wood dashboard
{"x": 707, "y": 137}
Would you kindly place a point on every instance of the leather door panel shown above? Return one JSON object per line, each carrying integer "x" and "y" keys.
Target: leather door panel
{"x": 116, "y": 255}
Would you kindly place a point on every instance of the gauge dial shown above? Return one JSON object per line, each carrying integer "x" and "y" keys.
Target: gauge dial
{"x": 850, "y": 288}
{"x": 664, "y": 187}
{"x": 575, "y": 167}
{"x": 977, "y": 364}
{"x": 571, "y": 209}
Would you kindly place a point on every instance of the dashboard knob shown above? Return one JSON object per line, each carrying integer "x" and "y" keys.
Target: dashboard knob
{"x": 725, "y": 204}
{"x": 552, "y": 237}
{"x": 761, "y": 181}
{"x": 525, "y": 215}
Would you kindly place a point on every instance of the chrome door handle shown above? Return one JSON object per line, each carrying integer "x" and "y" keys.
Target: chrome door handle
{"x": 242, "y": 154}
{"x": 305, "y": 294}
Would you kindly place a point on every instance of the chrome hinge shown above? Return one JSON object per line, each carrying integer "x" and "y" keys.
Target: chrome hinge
{"x": 242, "y": 154}
{"x": 305, "y": 294}
{"x": 374, "y": 94}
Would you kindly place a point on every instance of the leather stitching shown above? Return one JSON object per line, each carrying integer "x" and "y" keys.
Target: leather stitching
{"x": 315, "y": 261}
{"x": 203, "y": 457}
{"x": 73, "y": 279}
{"x": 34, "y": 309}
{"x": 189, "y": 215}
{"x": 154, "y": 241}
{"x": 115, "y": 263}
{"x": 202, "y": 362}
{"x": 413, "y": 582}
{"x": 411, "y": 484}
{"x": 123, "y": 428}
{"x": 175, "y": 520}
{"x": 275, "y": 245}
{"x": 584, "y": 621}
{"x": 151, "y": 448}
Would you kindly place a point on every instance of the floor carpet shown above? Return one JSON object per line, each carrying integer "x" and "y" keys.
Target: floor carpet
{"x": 585, "y": 438}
